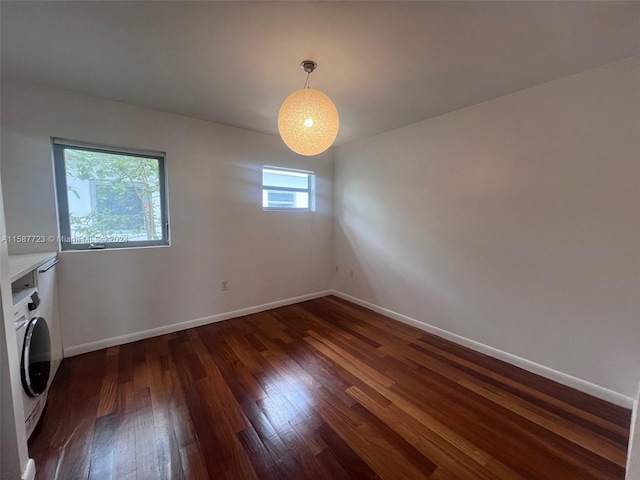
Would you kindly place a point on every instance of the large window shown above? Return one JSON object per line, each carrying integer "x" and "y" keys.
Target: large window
{"x": 110, "y": 197}
{"x": 287, "y": 189}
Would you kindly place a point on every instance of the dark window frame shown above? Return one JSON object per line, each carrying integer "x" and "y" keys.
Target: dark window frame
{"x": 59, "y": 146}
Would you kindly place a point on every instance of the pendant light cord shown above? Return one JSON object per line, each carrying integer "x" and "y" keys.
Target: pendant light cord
{"x": 306, "y": 83}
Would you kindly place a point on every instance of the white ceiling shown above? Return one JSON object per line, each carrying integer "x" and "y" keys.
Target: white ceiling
{"x": 385, "y": 64}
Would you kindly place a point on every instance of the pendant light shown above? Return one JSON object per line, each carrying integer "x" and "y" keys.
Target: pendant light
{"x": 308, "y": 120}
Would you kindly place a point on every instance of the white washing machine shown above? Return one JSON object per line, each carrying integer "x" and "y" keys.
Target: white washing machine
{"x": 34, "y": 348}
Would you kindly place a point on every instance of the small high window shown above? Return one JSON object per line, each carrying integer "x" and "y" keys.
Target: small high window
{"x": 287, "y": 189}
{"x": 110, "y": 197}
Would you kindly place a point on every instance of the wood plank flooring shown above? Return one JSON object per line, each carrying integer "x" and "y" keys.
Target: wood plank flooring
{"x": 319, "y": 390}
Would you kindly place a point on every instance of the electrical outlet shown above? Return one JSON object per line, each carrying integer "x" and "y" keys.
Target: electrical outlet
{"x": 225, "y": 285}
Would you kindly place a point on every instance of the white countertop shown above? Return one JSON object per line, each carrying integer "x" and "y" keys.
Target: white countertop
{"x": 21, "y": 264}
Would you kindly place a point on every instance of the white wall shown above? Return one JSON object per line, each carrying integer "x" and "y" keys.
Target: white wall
{"x": 218, "y": 229}
{"x": 513, "y": 223}
{"x": 13, "y": 437}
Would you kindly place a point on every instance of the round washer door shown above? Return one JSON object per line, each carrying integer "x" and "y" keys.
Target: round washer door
{"x": 36, "y": 357}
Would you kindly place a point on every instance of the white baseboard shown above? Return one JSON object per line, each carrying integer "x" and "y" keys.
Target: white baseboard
{"x": 29, "y": 472}
{"x": 631, "y": 449}
{"x": 563, "y": 378}
{"x": 154, "y": 332}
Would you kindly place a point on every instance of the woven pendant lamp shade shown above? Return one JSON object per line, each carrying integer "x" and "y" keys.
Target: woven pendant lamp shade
{"x": 308, "y": 122}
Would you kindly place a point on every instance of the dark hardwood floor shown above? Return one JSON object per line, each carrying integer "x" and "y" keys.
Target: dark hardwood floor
{"x": 319, "y": 390}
